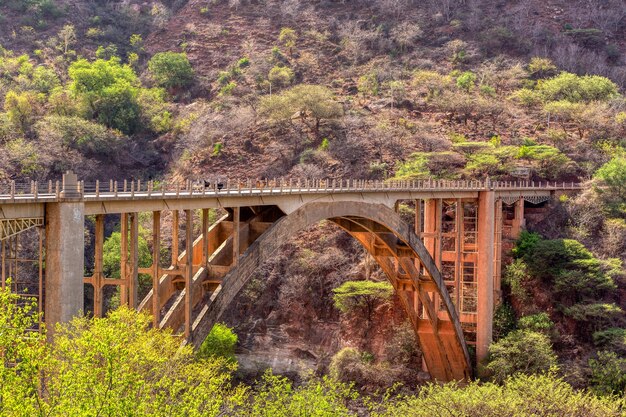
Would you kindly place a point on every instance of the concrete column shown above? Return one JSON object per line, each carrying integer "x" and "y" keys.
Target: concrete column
{"x": 98, "y": 263}
{"x": 156, "y": 271}
{"x": 205, "y": 239}
{"x": 518, "y": 220}
{"x": 188, "y": 273}
{"x": 175, "y": 252}
{"x": 65, "y": 261}
{"x": 236, "y": 230}
{"x": 124, "y": 259}
{"x": 133, "y": 273}
{"x": 497, "y": 255}
{"x": 485, "y": 272}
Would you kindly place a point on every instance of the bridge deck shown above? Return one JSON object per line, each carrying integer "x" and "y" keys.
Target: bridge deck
{"x": 28, "y": 201}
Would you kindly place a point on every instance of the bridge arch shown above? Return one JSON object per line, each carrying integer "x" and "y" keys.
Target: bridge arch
{"x": 400, "y": 253}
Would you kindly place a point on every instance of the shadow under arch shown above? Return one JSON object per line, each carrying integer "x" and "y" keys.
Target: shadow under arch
{"x": 396, "y": 248}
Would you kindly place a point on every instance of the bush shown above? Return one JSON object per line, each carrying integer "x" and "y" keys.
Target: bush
{"x": 504, "y": 321}
{"x": 522, "y": 351}
{"x": 220, "y": 342}
{"x": 613, "y": 339}
{"x": 573, "y": 270}
{"x": 281, "y": 76}
{"x": 608, "y": 374}
{"x": 171, "y": 69}
{"x": 613, "y": 174}
{"x": 574, "y": 88}
{"x": 540, "y": 323}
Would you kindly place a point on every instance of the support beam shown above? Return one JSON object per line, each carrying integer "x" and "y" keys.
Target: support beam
{"x": 175, "y": 239}
{"x": 188, "y": 273}
{"x": 205, "y": 240}
{"x": 98, "y": 267}
{"x": 156, "y": 260}
{"x": 124, "y": 273}
{"x": 485, "y": 276}
{"x": 133, "y": 264}
{"x": 65, "y": 258}
{"x": 236, "y": 232}
{"x": 518, "y": 219}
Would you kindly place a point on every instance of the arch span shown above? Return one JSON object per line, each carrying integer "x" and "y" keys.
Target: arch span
{"x": 399, "y": 252}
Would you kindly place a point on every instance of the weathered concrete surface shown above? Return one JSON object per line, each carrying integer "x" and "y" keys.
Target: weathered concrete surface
{"x": 65, "y": 245}
{"x": 486, "y": 247}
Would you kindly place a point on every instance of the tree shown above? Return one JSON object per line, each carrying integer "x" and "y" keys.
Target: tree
{"x": 613, "y": 174}
{"x": 171, "y": 69}
{"x": 352, "y": 295}
{"x": 21, "y": 109}
{"x": 608, "y": 374}
{"x": 521, "y": 351}
{"x": 309, "y": 103}
{"x": 109, "y": 91}
{"x": 67, "y": 36}
{"x": 288, "y": 38}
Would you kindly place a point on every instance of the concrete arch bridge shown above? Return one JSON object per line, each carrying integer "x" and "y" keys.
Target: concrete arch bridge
{"x": 445, "y": 267}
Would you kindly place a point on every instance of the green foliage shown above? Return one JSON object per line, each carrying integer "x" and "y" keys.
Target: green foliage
{"x": 504, "y": 321}
{"x": 217, "y": 148}
{"x": 575, "y": 88}
{"x": 24, "y": 157}
{"x": 613, "y": 338}
{"x": 466, "y": 81}
{"x": 220, "y": 342}
{"x": 368, "y": 84}
{"x": 521, "y": 395}
{"x": 21, "y": 109}
{"x": 278, "y": 397}
{"x": 608, "y": 374}
{"x": 613, "y": 174}
{"x": 288, "y": 38}
{"x": 516, "y": 277}
{"x": 281, "y": 76}
{"x": 540, "y": 323}
{"x": 540, "y": 67}
{"x": 154, "y": 110}
{"x": 308, "y": 102}
{"x": 521, "y": 351}
{"x": 596, "y": 315}
{"x": 171, "y": 69}
{"x": 573, "y": 270}
{"x": 104, "y": 367}
{"x": 353, "y": 295}
{"x": 91, "y": 139}
{"x": 109, "y": 90}
{"x": 526, "y": 243}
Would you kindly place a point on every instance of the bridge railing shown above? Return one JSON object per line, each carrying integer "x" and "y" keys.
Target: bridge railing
{"x": 53, "y": 190}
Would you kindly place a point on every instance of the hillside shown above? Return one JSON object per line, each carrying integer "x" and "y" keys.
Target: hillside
{"x": 454, "y": 89}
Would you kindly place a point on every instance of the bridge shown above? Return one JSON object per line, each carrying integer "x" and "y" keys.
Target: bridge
{"x": 445, "y": 265}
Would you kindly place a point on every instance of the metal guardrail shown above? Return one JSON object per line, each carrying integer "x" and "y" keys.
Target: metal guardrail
{"x": 52, "y": 191}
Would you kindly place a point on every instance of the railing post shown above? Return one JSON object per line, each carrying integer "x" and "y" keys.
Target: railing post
{"x": 115, "y": 188}
{"x": 125, "y": 183}
{"x": 57, "y": 189}
{"x": 110, "y": 186}
{"x": 132, "y": 188}
{"x": 97, "y": 188}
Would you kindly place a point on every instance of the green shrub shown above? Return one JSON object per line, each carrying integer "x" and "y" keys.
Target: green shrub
{"x": 540, "y": 323}
{"x": 613, "y": 339}
{"x": 281, "y": 76}
{"x": 516, "y": 277}
{"x": 466, "y": 81}
{"x": 521, "y": 351}
{"x": 574, "y": 88}
{"x": 608, "y": 374}
{"x": 220, "y": 342}
{"x": 504, "y": 321}
{"x": 526, "y": 243}
{"x": 613, "y": 174}
{"x": 171, "y": 69}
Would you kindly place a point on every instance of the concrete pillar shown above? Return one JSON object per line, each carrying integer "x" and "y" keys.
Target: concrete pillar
{"x": 98, "y": 264}
{"x": 188, "y": 273}
{"x": 65, "y": 261}
{"x": 133, "y": 265}
{"x": 518, "y": 219}
{"x": 485, "y": 272}
{"x": 156, "y": 271}
{"x": 236, "y": 230}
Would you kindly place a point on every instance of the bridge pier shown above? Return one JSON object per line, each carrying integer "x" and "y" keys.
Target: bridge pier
{"x": 485, "y": 272}
{"x": 65, "y": 260}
